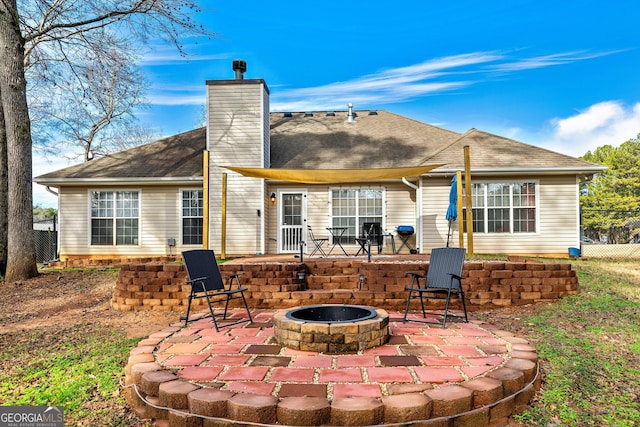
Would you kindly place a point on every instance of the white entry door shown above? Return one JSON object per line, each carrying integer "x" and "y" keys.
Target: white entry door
{"x": 292, "y": 214}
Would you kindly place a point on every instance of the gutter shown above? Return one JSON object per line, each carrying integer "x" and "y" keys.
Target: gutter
{"x": 520, "y": 170}
{"x": 410, "y": 184}
{"x": 121, "y": 181}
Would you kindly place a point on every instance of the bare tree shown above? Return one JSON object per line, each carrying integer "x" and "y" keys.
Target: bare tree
{"x": 36, "y": 39}
{"x": 21, "y": 258}
{"x": 4, "y": 199}
{"x": 93, "y": 101}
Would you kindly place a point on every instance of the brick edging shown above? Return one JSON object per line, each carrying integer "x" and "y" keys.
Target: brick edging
{"x": 476, "y": 402}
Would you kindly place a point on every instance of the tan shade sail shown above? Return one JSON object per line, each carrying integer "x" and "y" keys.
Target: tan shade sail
{"x": 332, "y": 176}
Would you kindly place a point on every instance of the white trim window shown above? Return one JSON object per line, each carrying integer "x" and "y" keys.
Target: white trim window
{"x": 115, "y": 218}
{"x": 352, "y": 207}
{"x": 192, "y": 214}
{"x": 505, "y": 207}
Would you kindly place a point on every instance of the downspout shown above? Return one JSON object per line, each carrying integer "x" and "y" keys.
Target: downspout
{"x": 55, "y": 193}
{"x": 410, "y": 184}
{"x": 467, "y": 191}
{"x": 418, "y": 211}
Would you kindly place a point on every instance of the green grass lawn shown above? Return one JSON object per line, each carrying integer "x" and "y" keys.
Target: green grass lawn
{"x": 589, "y": 348}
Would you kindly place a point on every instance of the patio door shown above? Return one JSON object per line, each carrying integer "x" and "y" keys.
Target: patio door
{"x": 292, "y": 217}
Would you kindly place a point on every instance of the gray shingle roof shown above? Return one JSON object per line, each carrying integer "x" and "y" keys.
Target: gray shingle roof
{"x": 322, "y": 141}
{"x": 178, "y": 156}
{"x": 489, "y": 151}
{"x": 381, "y": 140}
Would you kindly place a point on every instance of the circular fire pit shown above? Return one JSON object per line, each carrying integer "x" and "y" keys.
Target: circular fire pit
{"x": 331, "y": 328}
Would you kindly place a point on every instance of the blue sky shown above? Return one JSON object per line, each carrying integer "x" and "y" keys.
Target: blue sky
{"x": 562, "y": 75}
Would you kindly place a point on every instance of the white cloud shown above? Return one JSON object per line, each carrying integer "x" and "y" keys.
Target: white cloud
{"x": 171, "y": 98}
{"x": 429, "y": 77}
{"x": 548, "y": 60}
{"x": 608, "y": 122}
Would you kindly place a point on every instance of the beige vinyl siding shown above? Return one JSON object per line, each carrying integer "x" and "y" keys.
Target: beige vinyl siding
{"x": 317, "y": 212}
{"x": 235, "y": 138}
{"x": 74, "y": 228}
{"x": 434, "y": 208}
{"x": 159, "y": 220}
{"x": 557, "y": 214}
{"x": 399, "y": 209}
{"x": 236, "y": 125}
{"x": 266, "y": 131}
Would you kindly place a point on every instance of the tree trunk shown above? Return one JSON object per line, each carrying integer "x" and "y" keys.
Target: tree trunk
{"x": 21, "y": 254}
{"x": 4, "y": 189}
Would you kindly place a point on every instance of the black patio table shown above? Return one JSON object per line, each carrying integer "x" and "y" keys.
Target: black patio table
{"x": 336, "y": 234}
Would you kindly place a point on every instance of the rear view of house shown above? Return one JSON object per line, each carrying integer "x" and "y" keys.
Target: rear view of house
{"x": 254, "y": 181}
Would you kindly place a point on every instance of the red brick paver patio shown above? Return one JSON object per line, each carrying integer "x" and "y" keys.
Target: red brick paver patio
{"x": 468, "y": 371}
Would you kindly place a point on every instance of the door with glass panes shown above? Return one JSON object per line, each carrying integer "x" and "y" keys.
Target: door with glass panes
{"x": 292, "y": 217}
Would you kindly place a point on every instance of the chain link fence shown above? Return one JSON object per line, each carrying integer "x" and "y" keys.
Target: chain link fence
{"x": 610, "y": 233}
{"x": 45, "y": 236}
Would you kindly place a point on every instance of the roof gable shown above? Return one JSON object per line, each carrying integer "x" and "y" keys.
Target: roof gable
{"x": 489, "y": 151}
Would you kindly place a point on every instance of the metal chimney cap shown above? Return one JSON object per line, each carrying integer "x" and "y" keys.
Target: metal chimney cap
{"x": 239, "y": 65}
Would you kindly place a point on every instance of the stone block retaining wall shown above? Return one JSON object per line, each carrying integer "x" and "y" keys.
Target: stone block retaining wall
{"x": 162, "y": 286}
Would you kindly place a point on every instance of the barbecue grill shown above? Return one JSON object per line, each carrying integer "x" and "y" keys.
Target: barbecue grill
{"x": 405, "y": 232}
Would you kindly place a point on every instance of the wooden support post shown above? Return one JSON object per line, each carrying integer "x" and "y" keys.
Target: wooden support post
{"x": 467, "y": 188}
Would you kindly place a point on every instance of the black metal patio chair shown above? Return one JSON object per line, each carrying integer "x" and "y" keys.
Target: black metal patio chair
{"x": 371, "y": 235}
{"x": 444, "y": 275}
{"x": 207, "y": 282}
{"x": 318, "y": 242}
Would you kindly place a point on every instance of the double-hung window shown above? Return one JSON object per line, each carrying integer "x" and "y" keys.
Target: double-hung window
{"x": 352, "y": 207}
{"x": 115, "y": 217}
{"x": 506, "y": 207}
{"x": 192, "y": 217}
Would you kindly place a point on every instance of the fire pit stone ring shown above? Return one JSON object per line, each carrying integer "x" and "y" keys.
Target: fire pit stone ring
{"x": 331, "y": 328}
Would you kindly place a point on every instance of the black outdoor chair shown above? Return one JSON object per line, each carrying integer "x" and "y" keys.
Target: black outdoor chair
{"x": 371, "y": 234}
{"x": 318, "y": 242}
{"x": 444, "y": 275}
{"x": 206, "y": 282}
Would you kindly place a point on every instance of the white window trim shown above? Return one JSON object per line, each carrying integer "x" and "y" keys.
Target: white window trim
{"x": 90, "y": 217}
{"x": 362, "y": 187}
{"x": 180, "y": 218}
{"x": 511, "y": 207}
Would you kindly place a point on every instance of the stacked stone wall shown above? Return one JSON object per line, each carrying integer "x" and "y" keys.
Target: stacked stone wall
{"x": 162, "y": 286}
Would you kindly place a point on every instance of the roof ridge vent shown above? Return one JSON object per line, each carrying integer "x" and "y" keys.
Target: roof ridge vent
{"x": 350, "y": 115}
{"x": 373, "y": 113}
{"x": 308, "y": 114}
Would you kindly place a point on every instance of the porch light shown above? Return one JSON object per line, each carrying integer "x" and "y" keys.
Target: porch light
{"x": 273, "y": 198}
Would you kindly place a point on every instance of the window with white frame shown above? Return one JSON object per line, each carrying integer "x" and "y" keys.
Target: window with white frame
{"x": 115, "y": 217}
{"x": 352, "y": 207}
{"x": 192, "y": 217}
{"x": 504, "y": 207}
